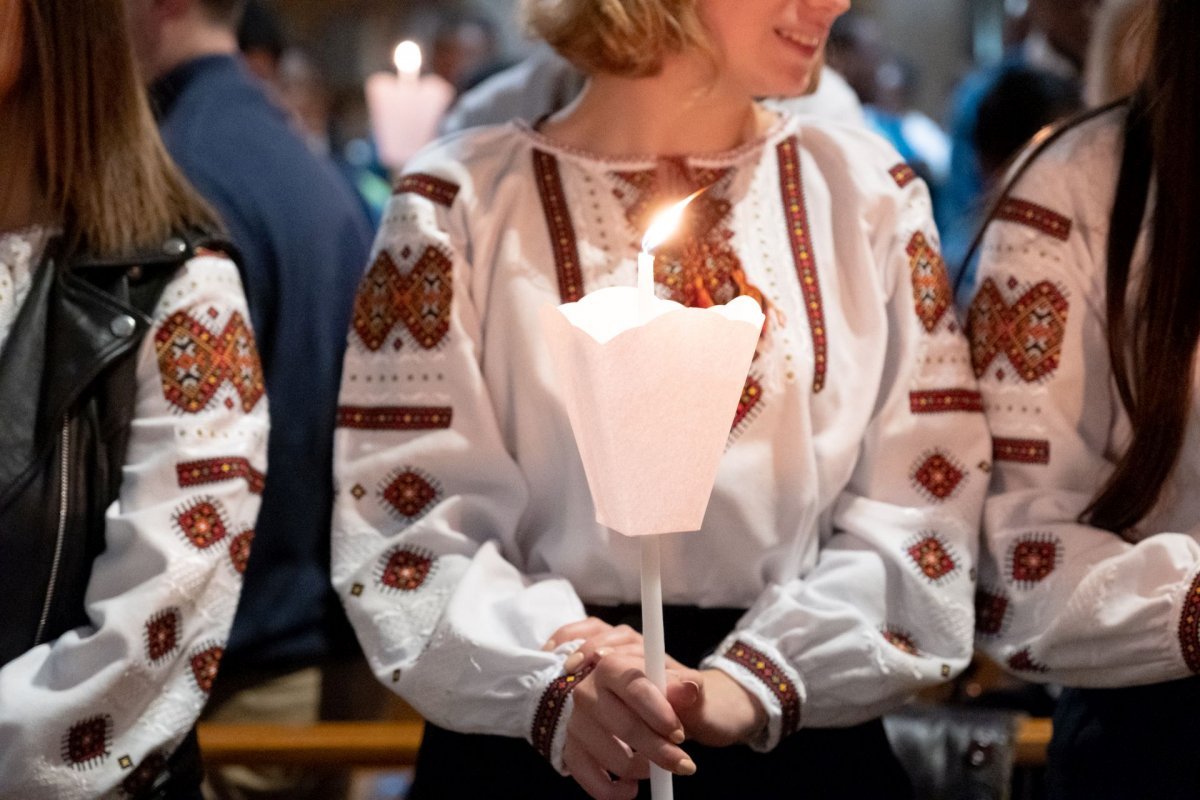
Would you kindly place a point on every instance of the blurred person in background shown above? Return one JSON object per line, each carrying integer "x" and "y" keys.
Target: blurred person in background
{"x": 1119, "y": 54}
{"x": 466, "y": 48}
{"x": 291, "y": 656}
{"x": 133, "y": 424}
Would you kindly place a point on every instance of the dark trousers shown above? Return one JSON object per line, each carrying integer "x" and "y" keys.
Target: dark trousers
{"x": 814, "y": 764}
{"x": 1137, "y": 743}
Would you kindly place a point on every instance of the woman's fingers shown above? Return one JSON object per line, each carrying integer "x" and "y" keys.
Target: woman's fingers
{"x": 627, "y": 705}
{"x": 607, "y": 750}
{"x": 583, "y": 629}
{"x": 589, "y": 774}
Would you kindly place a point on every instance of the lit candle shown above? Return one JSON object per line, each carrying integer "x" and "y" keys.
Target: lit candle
{"x": 405, "y": 107}
{"x": 407, "y": 57}
{"x": 662, "y": 228}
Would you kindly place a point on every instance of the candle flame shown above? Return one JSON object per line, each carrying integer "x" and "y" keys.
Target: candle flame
{"x": 666, "y": 221}
{"x": 407, "y": 58}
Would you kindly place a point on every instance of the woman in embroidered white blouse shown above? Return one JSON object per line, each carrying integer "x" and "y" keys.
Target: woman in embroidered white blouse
{"x": 132, "y": 424}
{"x": 835, "y": 570}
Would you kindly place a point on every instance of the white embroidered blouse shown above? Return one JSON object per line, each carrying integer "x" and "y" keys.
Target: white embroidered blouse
{"x": 1058, "y": 600}
{"x": 846, "y": 506}
{"x": 94, "y": 712}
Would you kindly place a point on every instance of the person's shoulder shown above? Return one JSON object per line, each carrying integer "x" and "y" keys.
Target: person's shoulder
{"x": 463, "y": 161}
{"x": 1089, "y": 142}
{"x": 847, "y": 152}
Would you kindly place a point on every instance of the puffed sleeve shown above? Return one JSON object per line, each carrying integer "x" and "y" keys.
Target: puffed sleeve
{"x": 1060, "y": 600}
{"x": 428, "y": 497}
{"x": 91, "y": 713}
{"x": 887, "y": 608}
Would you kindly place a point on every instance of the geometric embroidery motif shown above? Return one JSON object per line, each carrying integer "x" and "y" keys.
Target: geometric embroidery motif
{"x": 991, "y": 609}
{"x": 142, "y": 778}
{"x": 901, "y": 640}
{"x": 902, "y": 174}
{"x": 751, "y": 395}
{"x": 1021, "y": 451}
{"x": 194, "y": 363}
{"x": 239, "y": 550}
{"x": 204, "y": 664}
{"x": 775, "y": 679}
{"x": 395, "y": 418}
{"x": 550, "y": 708}
{"x": 435, "y": 189}
{"x": 1032, "y": 557}
{"x": 937, "y": 402}
{"x": 1189, "y": 626}
{"x": 162, "y": 634}
{"x": 930, "y": 282}
{"x": 406, "y": 569}
{"x": 1023, "y": 212}
{"x": 215, "y": 470}
{"x": 1029, "y": 332}
{"x": 409, "y": 493}
{"x": 201, "y": 523}
{"x": 792, "y": 186}
{"x": 931, "y": 556}
{"x": 937, "y": 476}
{"x": 559, "y": 225}
{"x": 87, "y": 743}
{"x": 1023, "y": 661}
{"x": 420, "y": 298}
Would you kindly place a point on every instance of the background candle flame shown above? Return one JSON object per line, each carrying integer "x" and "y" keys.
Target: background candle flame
{"x": 407, "y": 58}
{"x": 664, "y": 224}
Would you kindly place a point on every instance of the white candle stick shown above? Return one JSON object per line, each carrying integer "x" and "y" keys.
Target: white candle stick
{"x": 655, "y": 646}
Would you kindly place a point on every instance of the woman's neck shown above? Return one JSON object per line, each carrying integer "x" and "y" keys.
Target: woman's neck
{"x": 682, "y": 110}
{"x": 22, "y": 199}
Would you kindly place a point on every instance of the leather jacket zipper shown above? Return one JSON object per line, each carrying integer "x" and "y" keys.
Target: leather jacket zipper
{"x": 63, "y": 494}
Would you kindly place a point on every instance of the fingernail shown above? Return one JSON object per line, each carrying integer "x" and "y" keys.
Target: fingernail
{"x": 677, "y": 736}
{"x": 550, "y": 645}
{"x": 573, "y": 662}
{"x": 602, "y": 652}
{"x": 693, "y": 691}
{"x": 685, "y": 767}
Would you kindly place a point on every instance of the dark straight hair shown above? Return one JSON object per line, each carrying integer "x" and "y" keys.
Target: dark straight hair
{"x": 1153, "y": 331}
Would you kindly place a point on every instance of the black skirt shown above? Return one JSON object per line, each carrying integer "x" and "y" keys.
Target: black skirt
{"x": 1126, "y": 744}
{"x": 813, "y": 763}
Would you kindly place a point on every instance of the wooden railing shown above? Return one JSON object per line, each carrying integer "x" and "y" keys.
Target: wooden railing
{"x": 394, "y": 744}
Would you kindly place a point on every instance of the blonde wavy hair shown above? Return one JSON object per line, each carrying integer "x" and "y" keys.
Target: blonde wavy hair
{"x": 629, "y": 38}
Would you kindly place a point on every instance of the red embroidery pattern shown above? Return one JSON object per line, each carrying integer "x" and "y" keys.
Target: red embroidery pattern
{"x": 421, "y": 298}
{"x": 239, "y": 550}
{"x": 204, "y": 664}
{"x": 991, "y": 609}
{"x": 698, "y": 267}
{"x": 395, "y": 418}
{"x": 550, "y": 709}
{"x": 1189, "y": 626}
{"x": 1032, "y": 558}
{"x": 932, "y": 557}
{"x": 86, "y": 743}
{"x": 1021, "y": 451}
{"x": 1023, "y": 661}
{"x": 902, "y": 174}
{"x": 943, "y": 400}
{"x": 410, "y": 493}
{"x": 775, "y": 679}
{"x": 747, "y": 406}
{"x": 930, "y": 282}
{"x": 793, "y": 203}
{"x": 562, "y": 230}
{"x": 1034, "y": 216}
{"x": 215, "y": 470}
{"x": 162, "y": 634}
{"x": 901, "y": 640}
{"x": 202, "y": 523}
{"x": 1030, "y": 332}
{"x": 406, "y": 569}
{"x": 142, "y": 778}
{"x": 437, "y": 190}
{"x": 194, "y": 363}
{"x": 937, "y": 476}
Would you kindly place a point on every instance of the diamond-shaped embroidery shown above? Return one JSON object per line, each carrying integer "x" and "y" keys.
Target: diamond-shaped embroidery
{"x": 162, "y": 634}
{"x": 1032, "y": 558}
{"x": 901, "y": 640}
{"x": 410, "y": 493}
{"x": 194, "y": 363}
{"x": 932, "y": 557}
{"x": 406, "y": 569}
{"x": 239, "y": 550}
{"x": 930, "y": 282}
{"x": 202, "y": 523}
{"x": 420, "y": 298}
{"x": 204, "y": 666}
{"x": 937, "y": 476}
{"x": 87, "y": 742}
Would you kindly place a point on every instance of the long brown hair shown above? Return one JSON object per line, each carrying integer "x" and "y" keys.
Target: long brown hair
{"x": 107, "y": 178}
{"x": 1153, "y": 340}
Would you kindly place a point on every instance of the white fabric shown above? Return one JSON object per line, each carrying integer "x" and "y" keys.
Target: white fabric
{"x": 19, "y": 251}
{"x": 834, "y": 100}
{"x": 814, "y": 504}
{"x": 103, "y": 670}
{"x": 1110, "y": 612}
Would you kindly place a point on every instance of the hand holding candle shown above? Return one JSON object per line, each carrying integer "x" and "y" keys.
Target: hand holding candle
{"x": 405, "y": 108}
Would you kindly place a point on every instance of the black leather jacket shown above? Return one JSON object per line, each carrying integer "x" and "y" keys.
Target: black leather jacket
{"x": 67, "y": 390}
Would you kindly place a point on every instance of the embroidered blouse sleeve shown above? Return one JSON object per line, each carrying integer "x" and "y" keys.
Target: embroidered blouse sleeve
{"x": 887, "y": 608}
{"x": 428, "y": 497}
{"x": 1061, "y": 601}
{"x": 94, "y": 712}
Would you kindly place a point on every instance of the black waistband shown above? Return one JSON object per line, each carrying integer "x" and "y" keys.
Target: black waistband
{"x": 691, "y": 633}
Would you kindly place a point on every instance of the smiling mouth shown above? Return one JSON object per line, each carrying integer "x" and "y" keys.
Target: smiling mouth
{"x": 807, "y": 41}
